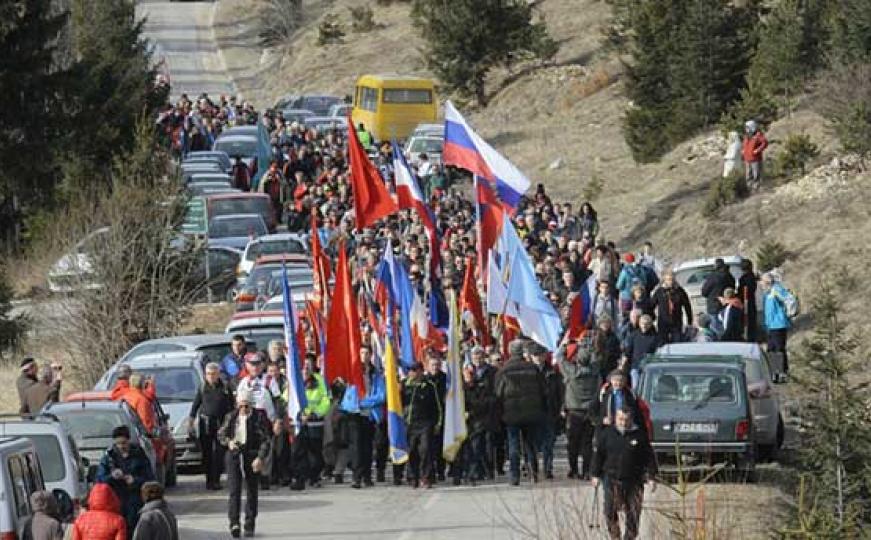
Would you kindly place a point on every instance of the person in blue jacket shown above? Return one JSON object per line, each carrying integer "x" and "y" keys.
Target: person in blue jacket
{"x": 125, "y": 467}
{"x": 364, "y": 414}
{"x": 777, "y": 321}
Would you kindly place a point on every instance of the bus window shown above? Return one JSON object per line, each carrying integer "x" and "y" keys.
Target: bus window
{"x": 406, "y": 95}
{"x": 368, "y": 98}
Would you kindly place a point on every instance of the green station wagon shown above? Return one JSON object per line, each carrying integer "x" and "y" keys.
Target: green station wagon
{"x": 700, "y": 413}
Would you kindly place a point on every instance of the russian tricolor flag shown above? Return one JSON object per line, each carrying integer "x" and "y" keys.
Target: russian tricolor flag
{"x": 581, "y": 308}
{"x": 296, "y": 402}
{"x": 466, "y": 149}
{"x": 408, "y": 195}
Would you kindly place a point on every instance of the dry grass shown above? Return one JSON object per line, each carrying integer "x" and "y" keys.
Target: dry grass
{"x": 208, "y": 318}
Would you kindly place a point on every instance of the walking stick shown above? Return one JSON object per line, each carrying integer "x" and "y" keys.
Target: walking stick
{"x": 594, "y": 509}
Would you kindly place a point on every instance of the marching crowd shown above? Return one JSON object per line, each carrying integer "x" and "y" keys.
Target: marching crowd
{"x": 519, "y": 397}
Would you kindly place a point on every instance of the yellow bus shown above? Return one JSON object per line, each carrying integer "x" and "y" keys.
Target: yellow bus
{"x": 390, "y": 106}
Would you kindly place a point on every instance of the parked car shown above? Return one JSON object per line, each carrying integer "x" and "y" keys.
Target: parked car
{"x": 428, "y": 130}
{"x": 296, "y": 115}
{"x": 276, "y": 303}
{"x": 691, "y": 275}
{"x": 177, "y": 376}
{"x": 326, "y": 123}
{"x": 764, "y": 400}
{"x": 20, "y": 477}
{"x": 222, "y": 261}
{"x": 75, "y": 270}
{"x": 265, "y": 279}
{"x": 62, "y": 467}
{"x": 208, "y": 177}
{"x": 430, "y": 145}
{"x": 242, "y": 146}
{"x": 210, "y": 155}
{"x": 204, "y": 167}
{"x": 270, "y": 244}
{"x": 319, "y": 105}
{"x": 90, "y": 424}
{"x": 250, "y": 130}
{"x": 242, "y": 203}
{"x": 213, "y": 347}
{"x": 235, "y": 230}
{"x": 340, "y": 110}
{"x": 259, "y": 327}
{"x": 700, "y": 413}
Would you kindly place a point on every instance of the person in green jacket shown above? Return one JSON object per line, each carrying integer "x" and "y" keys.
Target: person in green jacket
{"x": 364, "y": 136}
{"x": 307, "y": 451}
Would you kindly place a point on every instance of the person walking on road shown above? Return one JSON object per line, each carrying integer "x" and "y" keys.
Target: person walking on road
{"x": 521, "y": 392}
{"x": 248, "y": 442}
{"x": 547, "y": 431}
{"x": 623, "y": 461}
{"x": 423, "y": 416}
{"x": 712, "y": 289}
{"x": 44, "y": 524}
{"x": 580, "y": 372}
{"x": 211, "y": 404}
{"x": 156, "y": 521}
{"x": 672, "y": 304}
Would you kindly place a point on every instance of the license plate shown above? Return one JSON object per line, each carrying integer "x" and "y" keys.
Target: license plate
{"x": 706, "y": 428}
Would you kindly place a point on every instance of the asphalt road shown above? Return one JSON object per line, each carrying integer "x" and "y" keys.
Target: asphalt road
{"x": 340, "y": 512}
{"x": 182, "y": 35}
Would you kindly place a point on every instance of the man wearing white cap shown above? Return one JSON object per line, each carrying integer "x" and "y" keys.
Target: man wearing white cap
{"x": 248, "y": 444}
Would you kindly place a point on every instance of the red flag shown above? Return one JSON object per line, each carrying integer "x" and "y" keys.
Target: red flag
{"x": 510, "y": 332}
{"x": 372, "y": 201}
{"x": 343, "y": 328}
{"x": 321, "y": 266}
{"x": 470, "y": 301}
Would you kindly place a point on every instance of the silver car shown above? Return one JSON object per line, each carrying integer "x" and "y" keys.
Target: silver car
{"x": 764, "y": 400}
{"x": 178, "y": 376}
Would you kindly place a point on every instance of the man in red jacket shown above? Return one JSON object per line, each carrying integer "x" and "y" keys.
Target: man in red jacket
{"x": 754, "y": 145}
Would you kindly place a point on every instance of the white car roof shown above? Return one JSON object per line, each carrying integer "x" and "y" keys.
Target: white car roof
{"x": 695, "y": 263}
{"x": 728, "y": 348}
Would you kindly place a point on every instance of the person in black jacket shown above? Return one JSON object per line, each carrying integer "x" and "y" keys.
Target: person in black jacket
{"x": 440, "y": 378}
{"x": 248, "y": 442}
{"x": 478, "y": 401}
{"x": 718, "y": 281}
{"x": 580, "y": 370}
{"x": 211, "y": 404}
{"x": 521, "y": 393}
{"x": 747, "y": 294}
{"x": 423, "y": 418}
{"x": 622, "y": 461}
{"x": 640, "y": 344}
{"x": 555, "y": 390}
{"x": 732, "y": 317}
{"x": 672, "y": 303}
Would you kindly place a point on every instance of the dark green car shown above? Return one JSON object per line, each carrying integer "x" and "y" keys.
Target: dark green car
{"x": 700, "y": 413}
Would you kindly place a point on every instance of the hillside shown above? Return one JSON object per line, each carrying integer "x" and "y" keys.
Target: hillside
{"x": 561, "y": 125}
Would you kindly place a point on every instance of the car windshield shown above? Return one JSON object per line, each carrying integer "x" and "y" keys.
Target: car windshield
{"x": 237, "y": 147}
{"x": 173, "y": 383}
{"x": 238, "y": 205}
{"x": 84, "y": 424}
{"x": 691, "y": 388}
{"x": 241, "y": 226}
{"x": 51, "y": 457}
{"x": 273, "y": 247}
{"x": 427, "y": 146}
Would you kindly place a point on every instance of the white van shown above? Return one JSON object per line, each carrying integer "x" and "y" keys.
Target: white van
{"x": 20, "y": 477}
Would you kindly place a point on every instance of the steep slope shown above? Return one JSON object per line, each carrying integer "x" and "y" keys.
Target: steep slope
{"x": 561, "y": 124}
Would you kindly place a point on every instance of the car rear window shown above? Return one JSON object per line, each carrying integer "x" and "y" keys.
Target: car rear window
{"x": 92, "y": 424}
{"x": 666, "y": 386}
{"x": 274, "y": 247}
{"x": 51, "y": 457}
{"x": 239, "y": 205}
{"x": 244, "y": 148}
{"x": 227, "y": 228}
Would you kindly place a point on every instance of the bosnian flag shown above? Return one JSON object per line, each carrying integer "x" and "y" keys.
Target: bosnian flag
{"x": 296, "y": 402}
{"x": 408, "y": 195}
{"x": 465, "y": 149}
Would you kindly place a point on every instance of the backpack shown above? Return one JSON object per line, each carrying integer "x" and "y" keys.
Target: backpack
{"x": 790, "y": 302}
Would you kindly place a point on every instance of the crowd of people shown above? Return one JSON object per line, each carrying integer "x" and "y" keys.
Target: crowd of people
{"x": 519, "y": 397}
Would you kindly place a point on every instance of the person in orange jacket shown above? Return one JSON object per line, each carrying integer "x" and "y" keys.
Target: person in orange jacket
{"x": 102, "y": 520}
{"x": 139, "y": 398}
{"x": 752, "y": 148}
{"x": 123, "y": 383}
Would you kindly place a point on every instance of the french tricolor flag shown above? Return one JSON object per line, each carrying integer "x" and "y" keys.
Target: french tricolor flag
{"x": 463, "y": 148}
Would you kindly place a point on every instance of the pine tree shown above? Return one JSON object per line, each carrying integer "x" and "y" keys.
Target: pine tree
{"x": 708, "y": 68}
{"x": 12, "y": 327}
{"x": 836, "y": 443}
{"x": 467, "y": 38}
{"x": 114, "y": 78}
{"x": 791, "y": 46}
{"x": 850, "y": 26}
{"x": 31, "y": 117}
